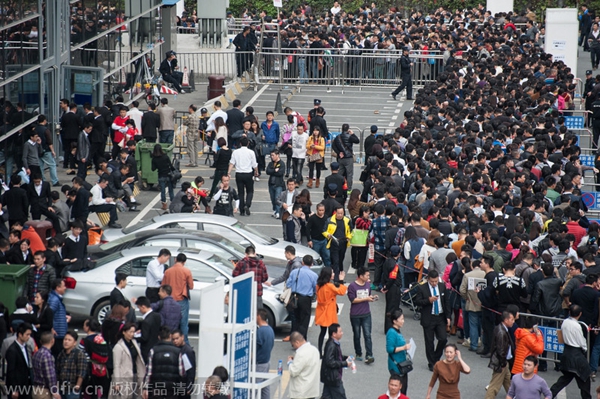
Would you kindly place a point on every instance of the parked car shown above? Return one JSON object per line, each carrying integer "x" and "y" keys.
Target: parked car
{"x": 180, "y": 238}
{"x": 224, "y": 226}
{"x": 89, "y": 291}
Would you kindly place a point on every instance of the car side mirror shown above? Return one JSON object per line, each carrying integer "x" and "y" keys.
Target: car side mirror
{"x": 245, "y": 243}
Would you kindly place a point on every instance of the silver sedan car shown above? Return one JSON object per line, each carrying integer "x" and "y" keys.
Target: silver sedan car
{"x": 224, "y": 226}
{"x": 89, "y": 291}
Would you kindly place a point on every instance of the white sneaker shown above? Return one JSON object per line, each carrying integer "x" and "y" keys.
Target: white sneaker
{"x": 182, "y": 91}
{"x": 256, "y": 178}
{"x": 467, "y": 342}
{"x": 276, "y": 216}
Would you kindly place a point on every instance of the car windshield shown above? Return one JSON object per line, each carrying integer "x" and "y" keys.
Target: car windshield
{"x": 108, "y": 259}
{"x": 115, "y": 243}
{"x": 224, "y": 264}
{"x": 260, "y": 238}
{"x": 137, "y": 226}
{"x": 237, "y": 248}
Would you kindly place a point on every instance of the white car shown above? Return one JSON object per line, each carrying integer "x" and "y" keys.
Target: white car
{"x": 89, "y": 291}
{"x": 224, "y": 226}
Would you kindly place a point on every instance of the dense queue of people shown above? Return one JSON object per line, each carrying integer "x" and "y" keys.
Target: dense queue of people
{"x": 479, "y": 190}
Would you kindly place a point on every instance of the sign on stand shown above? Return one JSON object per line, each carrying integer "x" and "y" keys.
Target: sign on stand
{"x": 238, "y": 354}
{"x": 551, "y": 343}
{"x": 562, "y": 31}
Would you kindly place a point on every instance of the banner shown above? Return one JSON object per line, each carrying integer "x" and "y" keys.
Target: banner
{"x": 562, "y": 30}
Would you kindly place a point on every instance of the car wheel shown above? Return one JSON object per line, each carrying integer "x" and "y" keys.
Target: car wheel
{"x": 101, "y": 311}
{"x": 270, "y": 317}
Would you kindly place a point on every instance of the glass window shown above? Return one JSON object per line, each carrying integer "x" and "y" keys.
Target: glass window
{"x": 138, "y": 266}
{"x": 201, "y": 271}
{"x": 208, "y": 246}
{"x": 223, "y": 231}
{"x": 180, "y": 225}
{"x": 162, "y": 242}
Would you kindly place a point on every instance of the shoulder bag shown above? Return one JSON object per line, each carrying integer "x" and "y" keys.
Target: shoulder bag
{"x": 404, "y": 367}
{"x": 292, "y": 303}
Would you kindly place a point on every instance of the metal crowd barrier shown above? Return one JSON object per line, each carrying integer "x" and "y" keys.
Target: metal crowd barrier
{"x": 336, "y": 67}
{"x": 549, "y": 326}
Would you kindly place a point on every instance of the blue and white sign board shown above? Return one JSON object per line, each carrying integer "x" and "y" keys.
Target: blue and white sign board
{"x": 588, "y": 160}
{"x": 575, "y": 122}
{"x": 591, "y": 199}
{"x": 242, "y": 300}
{"x": 551, "y": 343}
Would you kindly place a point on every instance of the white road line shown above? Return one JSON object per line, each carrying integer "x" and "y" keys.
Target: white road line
{"x": 145, "y": 211}
{"x": 392, "y": 124}
{"x": 394, "y": 117}
{"x": 258, "y": 94}
{"x": 397, "y": 111}
{"x": 351, "y": 271}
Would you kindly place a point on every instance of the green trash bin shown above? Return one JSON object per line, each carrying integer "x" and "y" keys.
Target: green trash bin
{"x": 149, "y": 177}
{"x": 13, "y": 284}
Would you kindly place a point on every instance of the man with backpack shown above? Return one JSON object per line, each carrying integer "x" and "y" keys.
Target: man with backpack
{"x": 250, "y": 263}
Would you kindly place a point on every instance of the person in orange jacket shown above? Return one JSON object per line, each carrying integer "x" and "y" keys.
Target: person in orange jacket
{"x": 528, "y": 341}
{"x": 326, "y": 313}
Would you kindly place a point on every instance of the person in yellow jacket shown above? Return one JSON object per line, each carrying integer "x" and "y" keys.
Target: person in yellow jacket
{"x": 338, "y": 234}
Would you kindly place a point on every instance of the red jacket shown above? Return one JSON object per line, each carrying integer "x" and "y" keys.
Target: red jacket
{"x": 385, "y": 396}
{"x": 578, "y": 231}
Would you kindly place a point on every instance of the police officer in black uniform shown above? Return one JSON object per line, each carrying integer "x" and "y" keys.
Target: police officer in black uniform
{"x": 596, "y": 121}
{"x": 313, "y": 112}
{"x": 405, "y": 64}
{"x": 587, "y": 89}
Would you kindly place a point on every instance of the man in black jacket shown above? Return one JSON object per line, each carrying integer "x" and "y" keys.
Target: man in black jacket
{"x": 166, "y": 372}
{"x": 150, "y": 124}
{"x": 342, "y": 146}
{"x": 275, "y": 170}
{"x": 70, "y": 126}
{"x": 16, "y": 201}
{"x": 338, "y": 179}
{"x": 405, "y": 64}
{"x": 488, "y": 300}
{"x": 435, "y": 316}
{"x": 80, "y": 202}
{"x": 332, "y": 365}
{"x": 150, "y": 326}
{"x": 98, "y": 136}
{"x": 502, "y": 346}
{"x": 39, "y": 193}
{"x": 19, "y": 372}
{"x": 169, "y": 74}
{"x": 235, "y": 117}
{"x": 187, "y": 355}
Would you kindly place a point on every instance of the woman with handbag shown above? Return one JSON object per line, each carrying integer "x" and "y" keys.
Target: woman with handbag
{"x": 359, "y": 249}
{"x": 396, "y": 346}
{"x": 162, "y": 163}
{"x": 315, "y": 152}
{"x": 448, "y": 372}
{"x": 327, "y": 309}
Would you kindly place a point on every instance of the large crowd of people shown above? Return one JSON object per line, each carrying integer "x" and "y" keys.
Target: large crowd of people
{"x": 470, "y": 213}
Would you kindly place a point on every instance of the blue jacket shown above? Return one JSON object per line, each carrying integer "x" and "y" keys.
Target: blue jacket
{"x": 271, "y": 134}
{"x": 394, "y": 339}
{"x": 60, "y": 314}
{"x": 169, "y": 311}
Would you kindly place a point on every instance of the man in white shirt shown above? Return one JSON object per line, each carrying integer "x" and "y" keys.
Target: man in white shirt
{"x": 246, "y": 167}
{"x": 135, "y": 114}
{"x": 573, "y": 363}
{"x": 304, "y": 376}
{"x": 336, "y": 8}
{"x": 210, "y": 125}
{"x": 299, "y": 139}
{"x": 155, "y": 272}
{"x": 99, "y": 204}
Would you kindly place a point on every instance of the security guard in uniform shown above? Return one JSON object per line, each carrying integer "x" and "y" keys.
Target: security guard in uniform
{"x": 587, "y": 89}
{"x": 405, "y": 64}
{"x": 596, "y": 121}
